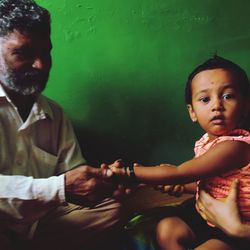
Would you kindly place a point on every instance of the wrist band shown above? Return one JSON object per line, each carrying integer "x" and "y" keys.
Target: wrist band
{"x": 126, "y": 171}
{"x": 132, "y": 175}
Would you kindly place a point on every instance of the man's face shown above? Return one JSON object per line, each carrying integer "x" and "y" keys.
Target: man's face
{"x": 25, "y": 62}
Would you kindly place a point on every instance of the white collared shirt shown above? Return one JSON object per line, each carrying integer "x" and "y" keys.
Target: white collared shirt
{"x": 30, "y": 152}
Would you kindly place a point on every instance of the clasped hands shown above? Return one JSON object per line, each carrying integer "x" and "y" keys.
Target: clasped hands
{"x": 86, "y": 185}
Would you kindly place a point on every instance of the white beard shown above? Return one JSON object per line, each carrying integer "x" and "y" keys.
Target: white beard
{"x": 16, "y": 82}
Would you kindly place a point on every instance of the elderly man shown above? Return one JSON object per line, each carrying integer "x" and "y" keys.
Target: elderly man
{"x": 42, "y": 171}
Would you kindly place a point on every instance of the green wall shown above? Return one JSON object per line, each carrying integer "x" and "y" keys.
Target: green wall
{"x": 119, "y": 70}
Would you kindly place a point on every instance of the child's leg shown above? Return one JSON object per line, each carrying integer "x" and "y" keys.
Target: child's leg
{"x": 215, "y": 244}
{"x": 172, "y": 233}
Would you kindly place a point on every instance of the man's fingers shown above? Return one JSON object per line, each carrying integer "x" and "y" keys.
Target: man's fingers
{"x": 199, "y": 205}
{"x": 205, "y": 199}
{"x": 102, "y": 172}
{"x": 203, "y": 215}
{"x": 202, "y": 209}
{"x": 233, "y": 192}
{"x": 96, "y": 172}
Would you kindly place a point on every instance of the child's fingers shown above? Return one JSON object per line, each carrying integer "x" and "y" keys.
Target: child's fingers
{"x": 167, "y": 189}
{"x": 158, "y": 187}
{"x": 174, "y": 190}
{"x": 116, "y": 164}
{"x": 177, "y": 190}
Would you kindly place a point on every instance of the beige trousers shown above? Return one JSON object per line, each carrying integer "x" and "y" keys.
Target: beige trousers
{"x": 77, "y": 227}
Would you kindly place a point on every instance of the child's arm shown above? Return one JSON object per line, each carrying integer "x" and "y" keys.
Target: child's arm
{"x": 223, "y": 157}
{"x": 190, "y": 188}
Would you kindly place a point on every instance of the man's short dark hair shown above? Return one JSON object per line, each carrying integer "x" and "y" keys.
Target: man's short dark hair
{"x": 24, "y": 16}
{"x": 218, "y": 62}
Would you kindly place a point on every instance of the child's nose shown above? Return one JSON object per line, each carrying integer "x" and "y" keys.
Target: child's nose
{"x": 217, "y": 105}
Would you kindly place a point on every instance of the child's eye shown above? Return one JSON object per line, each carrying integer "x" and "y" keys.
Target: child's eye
{"x": 204, "y": 99}
{"x": 227, "y": 96}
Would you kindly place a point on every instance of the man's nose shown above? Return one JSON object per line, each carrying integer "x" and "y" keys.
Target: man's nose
{"x": 38, "y": 63}
{"x": 41, "y": 62}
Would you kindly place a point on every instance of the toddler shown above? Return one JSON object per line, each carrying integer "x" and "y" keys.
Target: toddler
{"x": 217, "y": 97}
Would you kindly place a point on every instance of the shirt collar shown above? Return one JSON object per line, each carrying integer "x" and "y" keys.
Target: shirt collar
{"x": 2, "y": 92}
{"x": 41, "y": 106}
{"x": 204, "y": 140}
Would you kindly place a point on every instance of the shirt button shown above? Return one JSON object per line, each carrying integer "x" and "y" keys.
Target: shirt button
{"x": 19, "y": 163}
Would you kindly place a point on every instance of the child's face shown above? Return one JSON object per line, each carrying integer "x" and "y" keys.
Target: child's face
{"x": 217, "y": 103}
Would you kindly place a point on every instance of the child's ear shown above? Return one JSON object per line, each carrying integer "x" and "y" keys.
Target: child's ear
{"x": 191, "y": 113}
{"x": 248, "y": 107}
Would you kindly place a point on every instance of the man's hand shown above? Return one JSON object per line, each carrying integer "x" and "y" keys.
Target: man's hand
{"x": 86, "y": 184}
{"x": 224, "y": 214}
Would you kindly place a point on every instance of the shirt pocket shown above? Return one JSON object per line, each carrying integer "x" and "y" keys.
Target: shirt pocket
{"x": 44, "y": 164}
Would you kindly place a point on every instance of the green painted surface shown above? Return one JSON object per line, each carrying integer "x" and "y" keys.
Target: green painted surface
{"x": 119, "y": 70}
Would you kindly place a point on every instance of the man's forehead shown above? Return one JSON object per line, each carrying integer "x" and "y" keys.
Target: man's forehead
{"x": 19, "y": 39}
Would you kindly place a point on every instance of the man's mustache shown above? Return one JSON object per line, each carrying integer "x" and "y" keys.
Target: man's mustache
{"x": 30, "y": 75}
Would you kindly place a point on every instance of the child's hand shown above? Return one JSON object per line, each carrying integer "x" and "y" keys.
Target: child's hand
{"x": 118, "y": 168}
{"x": 121, "y": 188}
{"x": 123, "y": 174}
{"x": 119, "y": 173}
{"x": 173, "y": 190}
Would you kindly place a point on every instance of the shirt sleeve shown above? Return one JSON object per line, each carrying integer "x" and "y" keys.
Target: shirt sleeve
{"x": 26, "y": 199}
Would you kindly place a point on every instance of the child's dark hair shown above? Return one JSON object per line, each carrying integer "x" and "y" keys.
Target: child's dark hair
{"x": 238, "y": 73}
{"x": 218, "y": 62}
{"x": 23, "y": 16}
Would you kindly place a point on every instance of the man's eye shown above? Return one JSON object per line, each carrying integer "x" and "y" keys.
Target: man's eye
{"x": 22, "y": 54}
{"x": 204, "y": 99}
{"x": 19, "y": 55}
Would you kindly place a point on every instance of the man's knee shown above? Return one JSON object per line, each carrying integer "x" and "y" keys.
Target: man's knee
{"x": 110, "y": 213}
{"x": 79, "y": 226}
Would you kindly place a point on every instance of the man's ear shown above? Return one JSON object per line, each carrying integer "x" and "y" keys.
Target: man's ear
{"x": 191, "y": 113}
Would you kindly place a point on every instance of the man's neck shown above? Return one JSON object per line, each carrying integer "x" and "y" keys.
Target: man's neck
{"x": 24, "y": 103}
